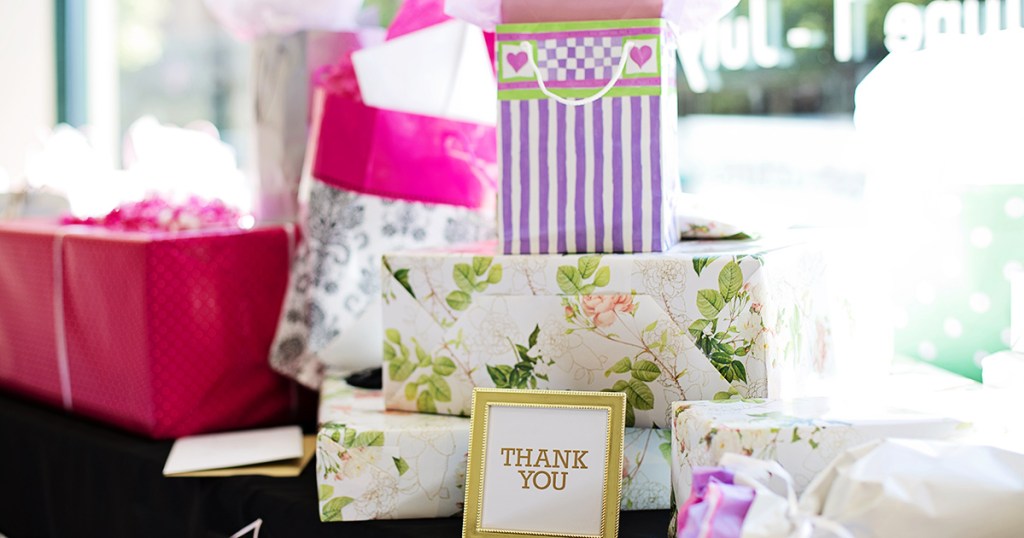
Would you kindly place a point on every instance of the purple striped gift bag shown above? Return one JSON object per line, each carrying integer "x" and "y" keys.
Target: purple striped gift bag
{"x": 586, "y": 134}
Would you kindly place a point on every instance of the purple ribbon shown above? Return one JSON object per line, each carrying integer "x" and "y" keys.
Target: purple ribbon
{"x": 716, "y": 507}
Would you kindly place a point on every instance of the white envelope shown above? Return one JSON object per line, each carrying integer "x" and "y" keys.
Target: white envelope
{"x": 233, "y": 449}
{"x": 443, "y": 70}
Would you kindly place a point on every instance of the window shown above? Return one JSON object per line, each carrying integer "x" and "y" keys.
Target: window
{"x": 767, "y": 94}
{"x": 120, "y": 60}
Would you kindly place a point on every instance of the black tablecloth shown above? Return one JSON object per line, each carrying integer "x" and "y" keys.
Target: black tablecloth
{"x": 64, "y": 476}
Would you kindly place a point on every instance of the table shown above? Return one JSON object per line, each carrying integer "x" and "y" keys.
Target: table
{"x": 64, "y": 476}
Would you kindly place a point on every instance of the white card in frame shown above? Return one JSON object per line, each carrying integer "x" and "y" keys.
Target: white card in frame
{"x": 544, "y": 463}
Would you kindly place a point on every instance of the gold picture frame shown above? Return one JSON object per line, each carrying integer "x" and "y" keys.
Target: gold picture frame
{"x": 579, "y": 424}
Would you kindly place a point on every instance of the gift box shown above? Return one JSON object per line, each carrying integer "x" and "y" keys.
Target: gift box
{"x": 586, "y": 136}
{"x": 165, "y": 334}
{"x": 377, "y": 464}
{"x": 646, "y": 469}
{"x": 803, "y": 435}
{"x": 706, "y": 319}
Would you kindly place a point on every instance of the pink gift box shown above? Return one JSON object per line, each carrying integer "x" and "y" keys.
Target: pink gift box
{"x": 166, "y": 334}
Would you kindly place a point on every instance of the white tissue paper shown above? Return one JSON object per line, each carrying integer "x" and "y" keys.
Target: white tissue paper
{"x": 447, "y": 63}
{"x": 886, "y": 489}
{"x": 903, "y": 487}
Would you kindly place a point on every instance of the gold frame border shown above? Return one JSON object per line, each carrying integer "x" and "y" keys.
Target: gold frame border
{"x": 483, "y": 399}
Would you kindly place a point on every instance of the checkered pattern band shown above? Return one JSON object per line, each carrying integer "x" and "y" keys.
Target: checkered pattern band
{"x": 578, "y": 58}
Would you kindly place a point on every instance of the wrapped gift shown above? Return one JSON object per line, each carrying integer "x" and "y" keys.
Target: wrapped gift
{"x": 706, "y": 319}
{"x": 377, "y": 464}
{"x": 646, "y": 469}
{"x": 166, "y": 334}
{"x": 587, "y": 120}
{"x": 587, "y": 124}
{"x": 803, "y": 435}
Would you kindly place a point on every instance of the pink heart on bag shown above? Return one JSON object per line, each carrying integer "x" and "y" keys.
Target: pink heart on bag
{"x": 640, "y": 55}
{"x": 518, "y": 59}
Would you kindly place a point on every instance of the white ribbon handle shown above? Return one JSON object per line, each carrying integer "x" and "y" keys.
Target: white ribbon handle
{"x": 528, "y": 49}
{"x": 758, "y": 472}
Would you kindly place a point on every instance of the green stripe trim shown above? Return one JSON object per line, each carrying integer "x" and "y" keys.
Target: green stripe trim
{"x": 577, "y": 93}
{"x": 580, "y": 25}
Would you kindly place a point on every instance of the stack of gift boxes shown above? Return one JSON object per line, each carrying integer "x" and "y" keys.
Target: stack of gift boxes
{"x": 592, "y": 290}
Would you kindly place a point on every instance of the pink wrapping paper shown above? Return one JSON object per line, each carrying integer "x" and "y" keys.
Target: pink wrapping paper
{"x": 163, "y": 334}
{"x": 398, "y": 155}
{"x": 395, "y": 154}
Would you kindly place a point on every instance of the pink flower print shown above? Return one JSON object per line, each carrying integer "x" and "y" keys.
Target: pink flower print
{"x": 569, "y": 313}
{"x": 604, "y": 309}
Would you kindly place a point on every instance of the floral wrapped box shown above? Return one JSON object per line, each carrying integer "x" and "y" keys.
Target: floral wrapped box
{"x": 377, "y": 464}
{"x": 705, "y": 319}
{"x": 804, "y": 435}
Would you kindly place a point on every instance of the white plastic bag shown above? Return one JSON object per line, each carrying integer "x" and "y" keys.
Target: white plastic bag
{"x": 889, "y": 488}
{"x": 774, "y": 514}
{"x": 921, "y": 488}
{"x": 449, "y": 65}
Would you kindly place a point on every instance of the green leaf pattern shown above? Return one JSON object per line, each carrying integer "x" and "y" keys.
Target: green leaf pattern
{"x": 716, "y": 333}
{"x": 364, "y": 474}
{"x": 404, "y": 457}
{"x": 471, "y": 278}
{"x": 703, "y": 431}
{"x": 431, "y": 385}
{"x": 523, "y": 374}
{"x": 708, "y": 311}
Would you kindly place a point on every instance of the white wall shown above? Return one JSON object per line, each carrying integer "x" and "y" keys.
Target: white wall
{"x": 27, "y": 78}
